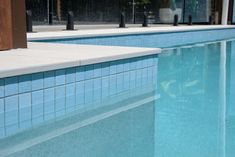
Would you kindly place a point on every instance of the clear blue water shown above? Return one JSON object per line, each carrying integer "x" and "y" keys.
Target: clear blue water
{"x": 187, "y": 111}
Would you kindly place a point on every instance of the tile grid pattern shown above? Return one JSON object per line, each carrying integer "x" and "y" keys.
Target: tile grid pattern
{"x": 155, "y": 40}
{"x": 29, "y": 100}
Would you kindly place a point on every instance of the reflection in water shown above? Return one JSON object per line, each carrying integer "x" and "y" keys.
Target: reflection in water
{"x": 191, "y": 117}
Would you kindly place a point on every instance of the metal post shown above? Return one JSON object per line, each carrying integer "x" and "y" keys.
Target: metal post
{"x": 190, "y": 21}
{"x": 145, "y": 23}
{"x": 70, "y": 21}
{"x": 210, "y": 20}
{"x": 29, "y": 23}
{"x": 50, "y": 20}
{"x": 175, "y": 20}
{"x": 122, "y": 21}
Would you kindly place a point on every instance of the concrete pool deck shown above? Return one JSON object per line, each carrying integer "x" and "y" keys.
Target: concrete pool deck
{"x": 51, "y": 56}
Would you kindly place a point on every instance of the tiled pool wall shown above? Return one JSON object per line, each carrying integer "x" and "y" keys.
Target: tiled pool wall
{"x": 155, "y": 40}
{"x": 31, "y": 99}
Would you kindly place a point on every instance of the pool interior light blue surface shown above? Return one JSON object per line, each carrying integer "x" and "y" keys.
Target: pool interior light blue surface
{"x": 178, "y": 103}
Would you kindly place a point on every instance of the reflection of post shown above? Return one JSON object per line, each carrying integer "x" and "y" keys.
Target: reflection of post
{"x": 12, "y": 24}
{"x": 222, "y": 108}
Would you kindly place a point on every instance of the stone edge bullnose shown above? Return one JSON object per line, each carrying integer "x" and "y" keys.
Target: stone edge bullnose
{"x": 16, "y": 69}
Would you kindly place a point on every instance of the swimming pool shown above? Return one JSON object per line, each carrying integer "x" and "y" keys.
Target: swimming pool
{"x": 177, "y": 103}
{"x": 162, "y": 39}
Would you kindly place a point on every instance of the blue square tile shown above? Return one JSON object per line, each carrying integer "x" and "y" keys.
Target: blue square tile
{"x": 138, "y": 78}
{"x": 1, "y": 88}
{"x": 1, "y": 113}
{"x": 155, "y": 61}
{"x": 80, "y": 73}
{"x": 25, "y": 106}
{"x": 120, "y": 66}
{"x": 25, "y": 83}
{"x": 70, "y": 75}
{"x": 60, "y": 99}
{"x": 113, "y": 67}
{"x": 89, "y": 71}
{"x": 113, "y": 84}
{"x": 70, "y": 89}
{"x": 145, "y": 61}
{"x": 150, "y": 74}
{"x": 97, "y": 95}
{"x": 126, "y": 65}
{"x": 11, "y": 86}
{"x": 37, "y": 106}
{"x": 88, "y": 91}
{"x": 88, "y": 97}
{"x": 132, "y": 79}
{"x": 97, "y": 83}
{"x": 11, "y": 110}
{"x": 80, "y": 87}
{"x": 105, "y": 69}
{"x": 60, "y": 77}
{"x": 80, "y": 93}
{"x": 139, "y": 63}
{"x": 49, "y": 79}
{"x": 126, "y": 80}
{"x": 150, "y": 60}
{"x": 105, "y": 87}
{"x": 120, "y": 82}
{"x": 70, "y": 96}
{"x": 97, "y": 70}
{"x": 133, "y": 63}
{"x": 49, "y": 103}
{"x": 37, "y": 81}
{"x": 88, "y": 85}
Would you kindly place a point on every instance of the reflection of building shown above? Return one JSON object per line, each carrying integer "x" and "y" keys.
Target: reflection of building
{"x": 108, "y": 11}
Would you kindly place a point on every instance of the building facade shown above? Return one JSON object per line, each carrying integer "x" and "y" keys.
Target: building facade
{"x": 108, "y": 11}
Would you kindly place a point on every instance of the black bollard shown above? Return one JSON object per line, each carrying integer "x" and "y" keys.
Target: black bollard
{"x": 210, "y": 20}
{"x": 122, "y": 21}
{"x": 175, "y": 20}
{"x": 50, "y": 18}
{"x": 190, "y": 21}
{"x": 145, "y": 23}
{"x": 29, "y": 22}
{"x": 70, "y": 21}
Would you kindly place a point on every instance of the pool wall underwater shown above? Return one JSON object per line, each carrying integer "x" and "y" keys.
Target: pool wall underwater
{"x": 32, "y": 99}
{"x": 153, "y": 40}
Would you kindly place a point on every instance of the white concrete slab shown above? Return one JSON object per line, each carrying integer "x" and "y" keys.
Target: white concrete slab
{"x": 50, "y": 56}
{"x": 119, "y": 31}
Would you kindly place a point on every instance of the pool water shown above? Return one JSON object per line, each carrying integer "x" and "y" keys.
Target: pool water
{"x": 188, "y": 110}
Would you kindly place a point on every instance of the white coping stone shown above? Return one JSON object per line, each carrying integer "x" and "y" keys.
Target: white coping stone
{"x": 119, "y": 31}
{"x": 41, "y": 57}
